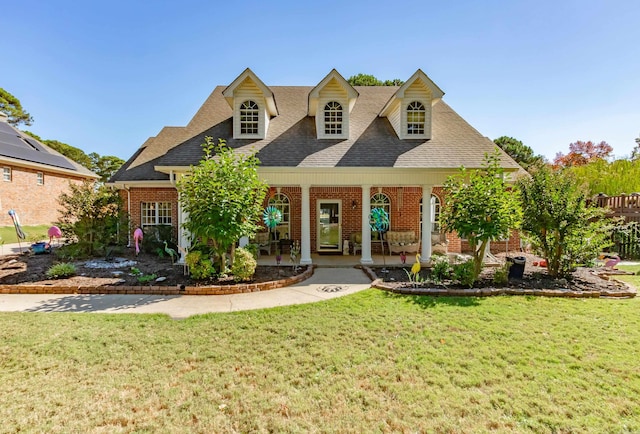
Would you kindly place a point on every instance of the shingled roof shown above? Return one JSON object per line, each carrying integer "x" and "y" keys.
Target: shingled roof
{"x": 291, "y": 140}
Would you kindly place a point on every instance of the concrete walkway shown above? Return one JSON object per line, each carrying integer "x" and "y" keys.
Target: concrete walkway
{"x": 325, "y": 284}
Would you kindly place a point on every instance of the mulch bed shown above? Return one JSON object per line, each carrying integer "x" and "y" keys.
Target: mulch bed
{"x": 29, "y": 268}
{"x": 587, "y": 282}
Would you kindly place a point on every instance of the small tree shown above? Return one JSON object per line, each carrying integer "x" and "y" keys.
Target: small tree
{"x": 560, "y": 224}
{"x": 93, "y": 216}
{"x": 223, "y": 197}
{"x": 480, "y": 207}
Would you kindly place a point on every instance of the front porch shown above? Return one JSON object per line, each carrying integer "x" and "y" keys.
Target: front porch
{"x": 333, "y": 261}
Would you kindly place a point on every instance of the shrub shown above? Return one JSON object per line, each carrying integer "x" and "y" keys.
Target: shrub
{"x": 93, "y": 217}
{"x": 154, "y": 238}
{"x": 464, "y": 273}
{"x": 441, "y": 269}
{"x": 63, "y": 269}
{"x": 501, "y": 274}
{"x": 200, "y": 266}
{"x": 253, "y": 249}
{"x": 244, "y": 265}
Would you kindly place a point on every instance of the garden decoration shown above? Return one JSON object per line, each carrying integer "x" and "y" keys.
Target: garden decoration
{"x": 295, "y": 251}
{"x": 138, "y": 235}
{"x": 611, "y": 260}
{"x": 379, "y": 222}
{"x": 54, "y": 232}
{"x": 169, "y": 251}
{"x": 403, "y": 257}
{"x": 271, "y": 218}
{"x": 415, "y": 268}
{"x": 19, "y": 232}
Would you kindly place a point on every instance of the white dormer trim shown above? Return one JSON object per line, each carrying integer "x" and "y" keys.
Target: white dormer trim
{"x": 331, "y": 90}
{"x": 248, "y": 87}
{"x": 419, "y": 88}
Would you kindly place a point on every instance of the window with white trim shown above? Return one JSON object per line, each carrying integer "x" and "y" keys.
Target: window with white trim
{"x": 40, "y": 178}
{"x": 249, "y": 115}
{"x": 155, "y": 213}
{"x": 333, "y": 118}
{"x": 381, "y": 200}
{"x": 281, "y": 202}
{"x": 416, "y": 116}
{"x": 6, "y": 174}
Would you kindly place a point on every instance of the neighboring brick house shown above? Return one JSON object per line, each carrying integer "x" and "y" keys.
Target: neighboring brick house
{"x": 329, "y": 153}
{"x": 33, "y": 177}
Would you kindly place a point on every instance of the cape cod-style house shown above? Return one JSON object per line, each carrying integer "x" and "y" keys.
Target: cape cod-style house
{"x": 329, "y": 152}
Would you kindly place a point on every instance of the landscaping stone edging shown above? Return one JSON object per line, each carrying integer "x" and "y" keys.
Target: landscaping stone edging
{"x": 488, "y": 292}
{"x": 240, "y": 288}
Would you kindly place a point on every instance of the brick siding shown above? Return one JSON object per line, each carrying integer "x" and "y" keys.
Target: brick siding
{"x": 35, "y": 204}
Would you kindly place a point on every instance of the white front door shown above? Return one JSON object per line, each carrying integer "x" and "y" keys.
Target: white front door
{"x": 329, "y": 225}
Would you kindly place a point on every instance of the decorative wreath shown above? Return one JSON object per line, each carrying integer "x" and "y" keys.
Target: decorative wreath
{"x": 271, "y": 217}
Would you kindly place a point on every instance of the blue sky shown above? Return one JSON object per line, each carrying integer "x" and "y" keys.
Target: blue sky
{"x": 104, "y": 76}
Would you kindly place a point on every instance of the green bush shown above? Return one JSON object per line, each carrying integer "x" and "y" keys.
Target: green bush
{"x": 200, "y": 266}
{"x": 464, "y": 273}
{"x": 63, "y": 269}
{"x": 501, "y": 274}
{"x": 253, "y": 249}
{"x": 92, "y": 216}
{"x": 244, "y": 265}
{"x": 441, "y": 269}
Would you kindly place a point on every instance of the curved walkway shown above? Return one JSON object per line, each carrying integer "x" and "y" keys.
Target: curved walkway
{"x": 326, "y": 283}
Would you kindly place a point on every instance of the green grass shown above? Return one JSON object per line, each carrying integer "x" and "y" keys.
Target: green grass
{"x": 8, "y": 234}
{"x": 633, "y": 280}
{"x": 370, "y": 362}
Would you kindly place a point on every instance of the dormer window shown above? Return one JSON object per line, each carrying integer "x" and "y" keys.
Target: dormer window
{"x": 415, "y": 118}
{"x": 333, "y": 118}
{"x": 249, "y": 115}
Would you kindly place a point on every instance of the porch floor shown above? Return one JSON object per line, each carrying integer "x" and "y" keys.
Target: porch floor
{"x": 339, "y": 260}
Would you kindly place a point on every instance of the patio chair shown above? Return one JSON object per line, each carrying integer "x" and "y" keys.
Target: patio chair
{"x": 263, "y": 242}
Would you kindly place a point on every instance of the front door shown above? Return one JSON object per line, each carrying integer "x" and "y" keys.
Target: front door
{"x": 329, "y": 226}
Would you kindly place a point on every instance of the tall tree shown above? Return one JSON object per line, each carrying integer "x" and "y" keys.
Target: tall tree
{"x": 105, "y": 165}
{"x": 10, "y": 105}
{"x": 520, "y": 152}
{"x": 635, "y": 153}
{"x": 223, "y": 197}
{"x": 369, "y": 80}
{"x": 480, "y": 207}
{"x": 581, "y": 153}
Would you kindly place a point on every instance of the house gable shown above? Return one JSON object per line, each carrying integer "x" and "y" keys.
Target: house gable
{"x": 253, "y": 106}
{"x": 331, "y": 102}
{"x": 410, "y": 109}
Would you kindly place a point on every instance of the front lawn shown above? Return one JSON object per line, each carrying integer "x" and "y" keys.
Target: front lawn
{"x": 371, "y": 362}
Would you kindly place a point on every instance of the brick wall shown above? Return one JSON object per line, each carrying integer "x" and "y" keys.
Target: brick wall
{"x": 139, "y": 195}
{"x": 35, "y": 204}
{"x": 405, "y": 210}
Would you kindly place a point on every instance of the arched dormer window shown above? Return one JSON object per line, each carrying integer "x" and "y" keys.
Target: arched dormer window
{"x": 249, "y": 115}
{"x": 333, "y": 118}
{"x": 415, "y": 118}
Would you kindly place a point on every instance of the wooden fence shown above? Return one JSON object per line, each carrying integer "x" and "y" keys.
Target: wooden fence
{"x": 626, "y": 242}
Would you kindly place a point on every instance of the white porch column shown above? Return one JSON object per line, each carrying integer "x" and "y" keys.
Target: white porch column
{"x": 426, "y": 222}
{"x": 183, "y": 234}
{"x": 366, "y": 228}
{"x": 305, "y": 242}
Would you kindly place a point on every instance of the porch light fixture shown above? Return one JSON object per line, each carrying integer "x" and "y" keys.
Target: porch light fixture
{"x": 354, "y": 204}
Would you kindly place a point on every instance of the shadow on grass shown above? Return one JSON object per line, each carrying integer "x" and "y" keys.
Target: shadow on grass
{"x": 97, "y": 302}
{"x": 428, "y": 301}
